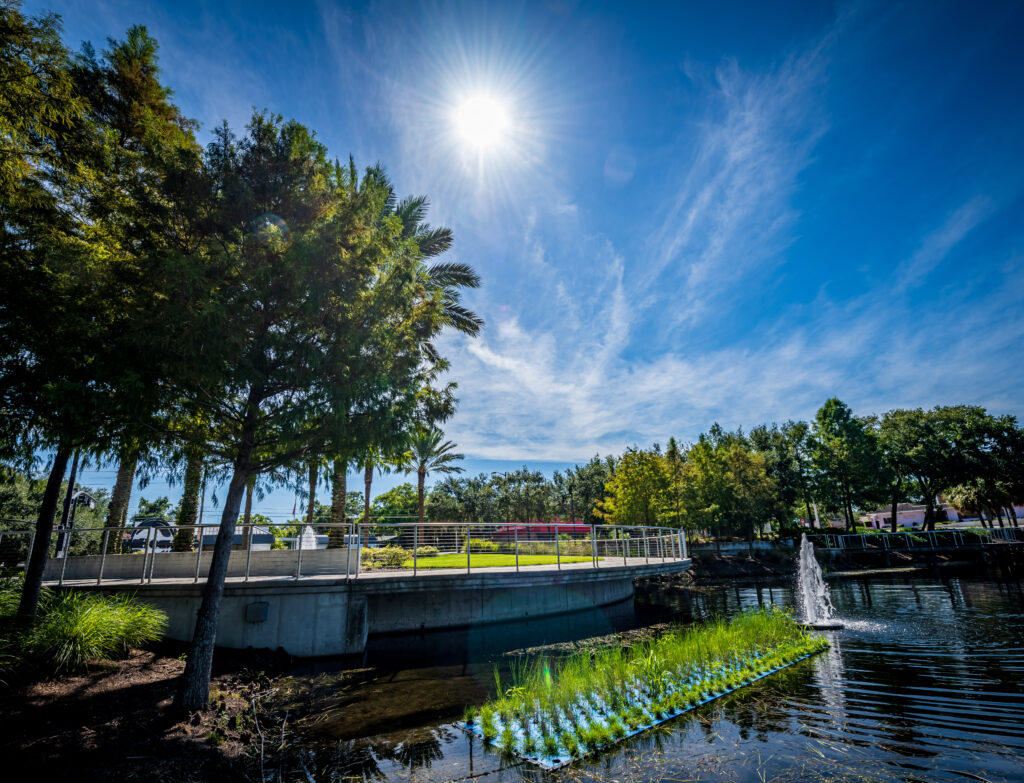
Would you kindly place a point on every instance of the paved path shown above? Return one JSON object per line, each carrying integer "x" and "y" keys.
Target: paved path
{"x": 605, "y": 564}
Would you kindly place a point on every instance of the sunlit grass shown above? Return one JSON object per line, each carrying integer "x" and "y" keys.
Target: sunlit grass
{"x": 489, "y": 560}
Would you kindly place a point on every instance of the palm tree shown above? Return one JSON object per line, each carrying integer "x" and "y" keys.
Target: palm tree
{"x": 429, "y": 455}
{"x": 373, "y": 458}
{"x": 443, "y": 279}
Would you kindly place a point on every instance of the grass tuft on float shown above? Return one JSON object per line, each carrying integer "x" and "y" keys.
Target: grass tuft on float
{"x": 551, "y": 715}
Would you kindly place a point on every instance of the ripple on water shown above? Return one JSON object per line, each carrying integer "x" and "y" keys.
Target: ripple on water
{"x": 925, "y": 682}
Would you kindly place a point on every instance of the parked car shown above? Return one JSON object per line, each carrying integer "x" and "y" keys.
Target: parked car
{"x": 153, "y": 534}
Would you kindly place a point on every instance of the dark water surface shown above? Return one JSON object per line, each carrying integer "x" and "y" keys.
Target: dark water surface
{"x": 926, "y": 682}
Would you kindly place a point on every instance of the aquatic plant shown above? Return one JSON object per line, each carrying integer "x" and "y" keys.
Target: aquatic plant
{"x": 550, "y": 745}
{"x": 593, "y": 699}
{"x": 487, "y": 727}
{"x": 508, "y": 740}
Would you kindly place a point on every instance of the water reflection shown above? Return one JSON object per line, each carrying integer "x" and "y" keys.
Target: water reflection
{"x": 926, "y": 682}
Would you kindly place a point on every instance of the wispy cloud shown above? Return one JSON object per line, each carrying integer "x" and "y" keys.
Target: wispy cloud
{"x": 937, "y": 244}
{"x": 732, "y": 212}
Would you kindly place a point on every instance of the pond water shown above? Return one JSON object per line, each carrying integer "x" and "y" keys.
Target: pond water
{"x": 926, "y": 682}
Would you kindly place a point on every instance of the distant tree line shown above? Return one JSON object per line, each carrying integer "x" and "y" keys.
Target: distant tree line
{"x": 734, "y": 484}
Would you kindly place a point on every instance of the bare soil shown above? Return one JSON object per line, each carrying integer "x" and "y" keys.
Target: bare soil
{"x": 116, "y": 722}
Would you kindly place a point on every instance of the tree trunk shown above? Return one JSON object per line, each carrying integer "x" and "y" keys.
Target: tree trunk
{"x": 929, "y": 512}
{"x": 421, "y": 476}
{"x": 250, "y": 488}
{"x": 188, "y": 511}
{"x": 194, "y": 693}
{"x": 367, "y": 481}
{"x": 1013, "y": 514}
{"x": 339, "y": 497}
{"x": 314, "y": 478}
{"x": 981, "y": 518}
{"x": 999, "y": 516}
{"x": 66, "y": 509}
{"x": 894, "y": 523}
{"x": 119, "y": 499}
{"x": 41, "y": 544}
{"x": 810, "y": 519}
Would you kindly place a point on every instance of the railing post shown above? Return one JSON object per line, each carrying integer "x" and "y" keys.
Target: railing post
{"x": 682, "y": 534}
{"x": 145, "y": 558}
{"x": 359, "y": 547}
{"x": 298, "y": 560}
{"x": 622, "y": 535}
{"x": 558, "y": 550}
{"x": 103, "y": 555}
{"x": 469, "y": 545}
{"x": 248, "y": 553}
{"x": 28, "y": 556}
{"x": 415, "y": 544}
{"x": 647, "y": 547}
{"x": 67, "y": 553}
{"x": 347, "y": 538}
{"x": 593, "y": 544}
{"x": 152, "y": 560}
{"x": 199, "y": 553}
{"x": 517, "y": 548}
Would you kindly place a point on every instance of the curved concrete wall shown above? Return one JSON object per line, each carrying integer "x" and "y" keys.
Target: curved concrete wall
{"x": 335, "y": 617}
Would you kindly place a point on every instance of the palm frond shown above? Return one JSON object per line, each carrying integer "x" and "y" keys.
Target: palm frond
{"x": 451, "y": 274}
{"x": 433, "y": 241}
{"x": 462, "y": 318}
{"x": 411, "y": 210}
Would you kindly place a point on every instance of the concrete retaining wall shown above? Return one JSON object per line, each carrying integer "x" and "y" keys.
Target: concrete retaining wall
{"x": 335, "y": 617}
{"x": 182, "y": 565}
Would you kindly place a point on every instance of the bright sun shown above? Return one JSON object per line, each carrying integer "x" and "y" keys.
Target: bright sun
{"x": 481, "y": 121}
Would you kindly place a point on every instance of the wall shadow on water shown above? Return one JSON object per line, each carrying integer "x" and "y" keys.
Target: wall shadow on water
{"x": 489, "y": 641}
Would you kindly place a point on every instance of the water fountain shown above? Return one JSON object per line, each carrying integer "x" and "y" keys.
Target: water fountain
{"x": 815, "y": 604}
{"x": 307, "y": 540}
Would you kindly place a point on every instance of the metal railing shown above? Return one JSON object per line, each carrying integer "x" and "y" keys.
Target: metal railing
{"x": 350, "y": 551}
{"x": 919, "y": 539}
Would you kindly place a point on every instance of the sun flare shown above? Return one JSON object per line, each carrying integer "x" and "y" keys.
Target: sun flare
{"x": 482, "y": 121}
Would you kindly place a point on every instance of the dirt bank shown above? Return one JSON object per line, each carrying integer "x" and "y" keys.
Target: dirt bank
{"x": 115, "y": 721}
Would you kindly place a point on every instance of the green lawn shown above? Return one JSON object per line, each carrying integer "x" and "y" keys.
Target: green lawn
{"x": 490, "y": 559}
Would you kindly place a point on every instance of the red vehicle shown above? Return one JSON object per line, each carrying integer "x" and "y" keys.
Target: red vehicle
{"x": 540, "y": 531}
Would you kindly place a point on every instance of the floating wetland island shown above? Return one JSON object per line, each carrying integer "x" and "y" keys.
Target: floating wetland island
{"x": 553, "y": 715}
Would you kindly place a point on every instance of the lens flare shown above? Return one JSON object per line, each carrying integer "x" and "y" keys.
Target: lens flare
{"x": 270, "y": 228}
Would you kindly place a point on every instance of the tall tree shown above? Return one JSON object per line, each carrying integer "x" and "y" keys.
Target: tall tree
{"x": 637, "y": 493}
{"x": 304, "y": 315}
{"x": 845, "y": 455}
{"x": 428, "y": 454}
{"x": 74, "y": 363}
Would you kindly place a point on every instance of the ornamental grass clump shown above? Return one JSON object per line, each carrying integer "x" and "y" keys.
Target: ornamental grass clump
{"x": 73, "y": 628}
{"x": 591, "y": 700}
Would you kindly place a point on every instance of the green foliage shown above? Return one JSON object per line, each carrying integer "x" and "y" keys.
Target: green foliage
{"x": 638, "y": 491}
{"x": 845, "y": 452}
{"x": 384, "y": 557}
{"x": 618, "y": 690}
{"x": 73, "y": 628}
{"x": 396, "y": 505}
{"x": 482, "y": 545}
{"x": 161, "y": 507}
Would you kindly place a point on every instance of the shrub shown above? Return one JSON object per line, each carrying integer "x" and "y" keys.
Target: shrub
{"x": 386, "y": 557}
{"x": 74, "y": 628}
{"x": 427, "y": 551}
{"x": 10, "y": 594}
{"x": 483, "y": 545}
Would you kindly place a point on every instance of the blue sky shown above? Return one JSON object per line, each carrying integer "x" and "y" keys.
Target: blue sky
{"x": 698, "y": 212}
